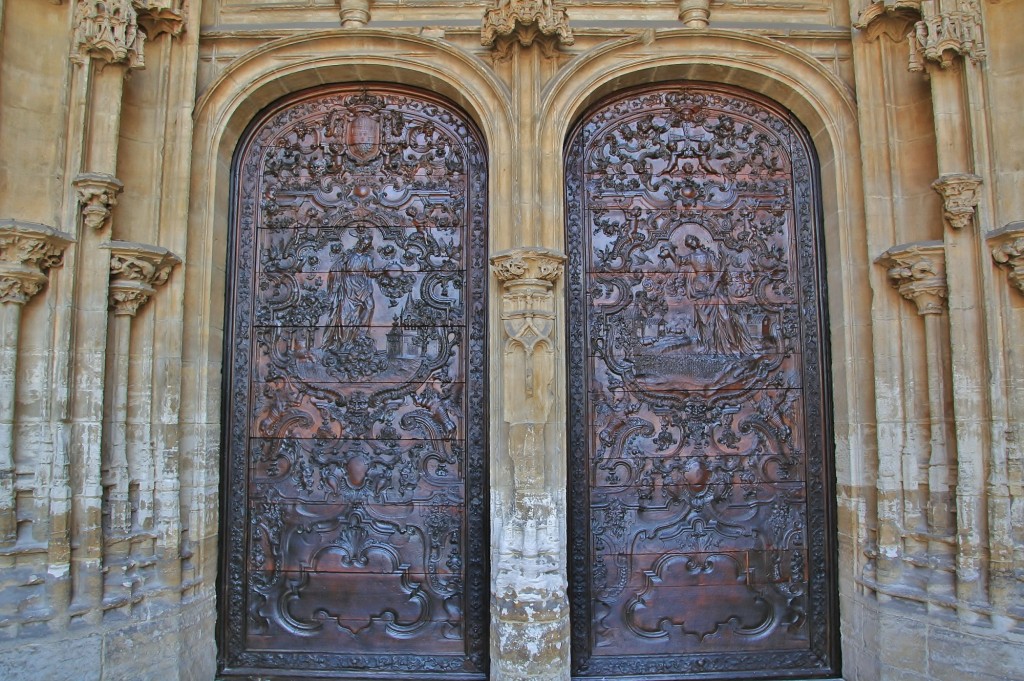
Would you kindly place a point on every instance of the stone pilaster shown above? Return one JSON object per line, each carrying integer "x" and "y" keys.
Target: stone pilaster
{"x": 27, "y": 252}
{"x": 530, "y": 617}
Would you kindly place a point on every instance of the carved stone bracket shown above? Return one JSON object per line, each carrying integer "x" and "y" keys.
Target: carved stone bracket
{"x": 960, "y": 197}
{"x": 27, "y": 252}
{"x": 1008, "y": 250}
{"x": 893, "y": 18}
{"x": 108, "y": 30}
{"x": 947, "y": 28}
{"x": 525, "y": 20}
{"x": 161, "y": 16}
{"x": 97, "y": 192}
{"x": 918, "y": 272}
{"x": 355, "y": 13}
{"x": 135, "y": 272}
{"x": 695, "y": 13}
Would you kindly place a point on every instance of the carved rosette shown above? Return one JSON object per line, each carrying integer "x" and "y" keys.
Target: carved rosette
{"x": 97, "y": 193}
{"x": 947, "y": 29}
{"x": 108, "y": 30}
{"x": 1008, "y": 250}
{"x": 959, "y": 196}
{"x": 27, "y": 252}
{"x": 355, "y": 13}
{"x": 135, "y": 272}
{"x": 918, "y": 272}
{"x": 524, "y": 20}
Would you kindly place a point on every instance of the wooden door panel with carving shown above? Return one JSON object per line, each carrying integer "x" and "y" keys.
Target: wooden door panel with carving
{"x": 699, "y": 436}
{"x": 355, "y": 404}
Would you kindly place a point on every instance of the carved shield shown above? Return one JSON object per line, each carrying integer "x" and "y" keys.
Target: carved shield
{"x": 363, "y": 137}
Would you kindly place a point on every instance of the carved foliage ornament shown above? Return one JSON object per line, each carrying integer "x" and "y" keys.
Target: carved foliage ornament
{"x": 524, "y": 20}
{"x": 918, "y": 272}
{"x": 947, "y": 29}
{"x": 135, "y": 272}
{"x": 1008, "y": 250}
{"x": 97, "y": 192}
{"x": 109, "y": 30}
{"x": 27, "y": 252}
{"x": 960, "y": 196}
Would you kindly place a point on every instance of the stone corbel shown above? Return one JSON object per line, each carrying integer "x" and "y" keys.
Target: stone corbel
{"x": 108, "y": 30}
{"x": 525, "y": 20}
{"x": 355, "y": 13}
{"x": 27, "y": 252}
{"x": 161, "y": 16}
{"x": 97, "y": 192}
{"x": 1008, "y": 250}
{"x": 892, "y": 18}
{"x": 947, "y": 29}
{"x": 918, "y": 272}
{"x": 959, "y": 197}
{"x": 695, "y": 13}
{"x": 136, "y": 270}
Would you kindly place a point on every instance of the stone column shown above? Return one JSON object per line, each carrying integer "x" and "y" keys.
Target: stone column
{"x": 135, "y": 271}
{"x": 354, "y": 13}
{"x": 918, "y": 272}
{"x": 27, "y": 252}
{"x": 530, "y": 612}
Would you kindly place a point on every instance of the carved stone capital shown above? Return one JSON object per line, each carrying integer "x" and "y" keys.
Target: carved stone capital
{"x": 1008, "y": 250}
{"x": 892, "y": 18}
{"x": 97, "y": 192}
{"x": 947, "y": 29}
{"x": 27, "y": 252}
{"x": 108, "y": 30}
{"x": 918, "y": 272}
{"x": 525, "y": 20}
{"x": 695, "y": 13}
{"x": 355, "y": 13}
{"x": 161, "y": 16}
{"x": 135, "y": 272}
{"x": 959, "y": 196}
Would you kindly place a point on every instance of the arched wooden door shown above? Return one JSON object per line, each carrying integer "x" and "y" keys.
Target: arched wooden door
{"x": 354, "y": 534}
{"x": 702, "y": 524}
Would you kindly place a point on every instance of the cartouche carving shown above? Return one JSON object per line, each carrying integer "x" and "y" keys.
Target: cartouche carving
{"x": 97, "y": 192}
{"x": 354, "y": 13}
{"x": 135, "y": 272}
{"x": 27, "y": 252}
{"x": 525, "y": 20}
{"x": 918, "y": 272}
{"x": 109, "y": 30}
{"x": 1008, "y": 250}
{"x": 960, "y": 197}
{"x": 947, "y": 29}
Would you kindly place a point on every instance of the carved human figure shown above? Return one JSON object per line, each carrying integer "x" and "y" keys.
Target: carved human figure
{"x": 350, "y": 286}
{"x": 717, "y": 329}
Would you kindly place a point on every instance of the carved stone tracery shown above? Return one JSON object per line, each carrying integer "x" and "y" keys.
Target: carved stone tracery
{"x": 27, "y": 252}
{"x": 918, "y": 272}
{"x": 959, "y": 193}
{"x": 136, "y": 270}
{"x": 97, "y": 193}
{"x": 947, "y": 28}
{"x": 1008, "y": 250}
{"x": 108, "y": 30}
{"x": 525, "y": 20}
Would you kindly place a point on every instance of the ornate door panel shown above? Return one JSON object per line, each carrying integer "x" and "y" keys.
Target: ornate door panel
{"x": 355, "y": 401}
{"x": 701, "y": 530}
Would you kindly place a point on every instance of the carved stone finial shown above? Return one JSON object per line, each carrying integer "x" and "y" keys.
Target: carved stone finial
{"x": 1008, "y": 250}
{"x": 135, "y": 272}
{"x": 942, "y": 34}
{"x": 27, "y": 252}
{"x": 894, "y": 18}
{"x": 695, "y": 13}
{"x": 524, "y": 20}
{"x": 97, "y": 192}
{"x": 959, "y": 196}
{"x": 355, "y": 13}
{"x": 108, "y": 30}
{"x": 918, "y": 271}
{"x": 161, "y": 16}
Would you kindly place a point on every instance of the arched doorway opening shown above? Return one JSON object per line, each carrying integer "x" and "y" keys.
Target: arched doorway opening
{"x": 355, "y": 410}
{"x": 701, "y": 450}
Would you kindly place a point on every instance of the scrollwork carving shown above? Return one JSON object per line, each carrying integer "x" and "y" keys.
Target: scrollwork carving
{"x": 135, "y": 272}
{"x": 1008, "y": 250}
{"x": 27, "y": 252}
{"x": 108, "y": 30}
{"x": 959, "y": 193}
{"x": 525, "y": 21}
{"x": 97, "y": 194}
{"x": 918, "y": 272}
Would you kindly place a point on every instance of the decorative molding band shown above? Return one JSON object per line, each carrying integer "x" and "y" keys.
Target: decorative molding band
{"x": 355, "y": 13}
{"x": 161, "y": 16}
{"x": 97, "y": 192}
{"x": 525, "y": 20}
{"x": 108, "y": 30}
{"x": 918, "y": 272}
{"x": 959, "y": 196}
{"x": 695, "y": 13}
{"x": 893, "y": 18}
{"x": 1008, "y": 250}
{"x": 27, "y": 252}
{"x": 135, "y": 272}
{"x": 942, "y": 34}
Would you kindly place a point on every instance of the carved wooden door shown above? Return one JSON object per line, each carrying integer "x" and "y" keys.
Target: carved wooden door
{"x": 702, "y": 541}
{"x": 355, "y": 393}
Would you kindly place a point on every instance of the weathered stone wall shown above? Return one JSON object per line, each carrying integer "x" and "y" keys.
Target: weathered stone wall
{"x": 116, "y": 137}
